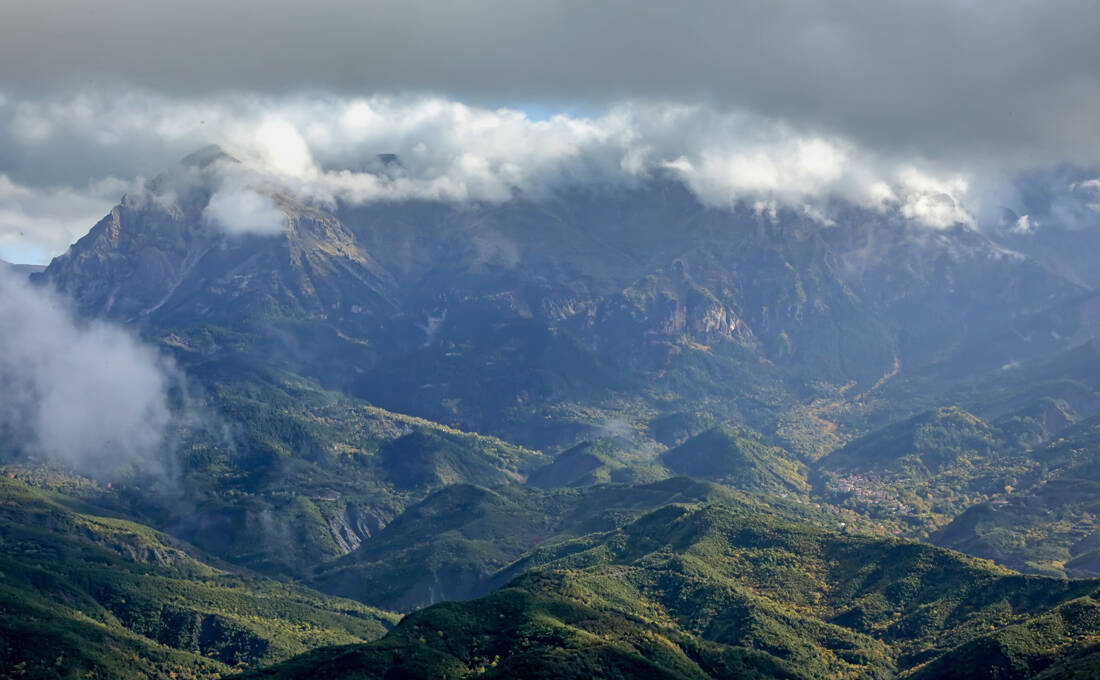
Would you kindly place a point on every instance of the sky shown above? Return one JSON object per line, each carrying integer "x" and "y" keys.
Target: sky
{"x": 929, "y": 108}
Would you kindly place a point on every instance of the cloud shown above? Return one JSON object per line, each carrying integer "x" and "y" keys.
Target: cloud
{"x": 90, "y": 396}
{"x": 444, "y": 150}
{"x": 1024, "y": 225}
{"x": 39, "y": 222}
{"x": 1063, "y": 197}
{"x": 1091, "y": 189}
{"x": 284, "y": 150}
{"x": 934, "y": 201}
{"x": 243, "y": 211}
{"x": 388, "y": 148}
{"x": 1020, "y": 82}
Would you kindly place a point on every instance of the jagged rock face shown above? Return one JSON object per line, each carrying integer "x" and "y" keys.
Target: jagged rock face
{"x": 353, "y": 526}
{"x": 672, "y": 304}
{"x": 476, "y": 313}
{"x": 157, "y": 255}
{"x": 312, "y": 270}
{"x": 130, "y": 261}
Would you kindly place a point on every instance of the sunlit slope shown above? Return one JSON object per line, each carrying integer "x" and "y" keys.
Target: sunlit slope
{"x": 83, "y": 592}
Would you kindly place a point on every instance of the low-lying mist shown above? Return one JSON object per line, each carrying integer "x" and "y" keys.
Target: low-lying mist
{"x": 88, "y": 395}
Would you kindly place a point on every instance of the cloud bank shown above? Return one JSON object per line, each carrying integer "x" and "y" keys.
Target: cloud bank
{"x": 949, "y": 78}
{"x": 89, "y": 396}
{"x": 389, "y": 148}
{"x": 775, "y": 104}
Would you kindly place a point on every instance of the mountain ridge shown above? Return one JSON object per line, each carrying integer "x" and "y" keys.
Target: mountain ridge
{"x": 416, "y": 401}
{"x": 599, "y": 303}
{"x": 692, "y": 592}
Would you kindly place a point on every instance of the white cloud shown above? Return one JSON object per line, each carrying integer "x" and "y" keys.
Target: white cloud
{"x": 284, "y": 150}
{"x": 453, "y": 152}
{"x": 325, "y": 148}
{"x": 934, "y": 201}
{"x": 88, "y": 395}
{"x": 789, "y": 168}
{"x": 240, "y": 211}
{"x": 1024, "y": 225}
{"x": 1092, "y": 188}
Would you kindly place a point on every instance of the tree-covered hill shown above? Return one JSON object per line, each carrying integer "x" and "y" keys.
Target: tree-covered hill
{"x": 738, "y": 458}
{"x": 708, "y": 591}
{"x": 274, "y": 473}
{"x": 454, "y": 544}
{"x": 1049, "y": 527}
{"x": 84, "y": 593}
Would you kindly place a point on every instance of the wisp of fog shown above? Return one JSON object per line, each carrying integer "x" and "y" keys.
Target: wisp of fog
{"x": 88, "y": 395}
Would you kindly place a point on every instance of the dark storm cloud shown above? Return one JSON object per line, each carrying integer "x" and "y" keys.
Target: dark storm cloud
{"x": 935, "y": 76}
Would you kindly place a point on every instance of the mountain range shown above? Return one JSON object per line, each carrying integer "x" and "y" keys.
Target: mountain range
{"x": 613, "y": 432}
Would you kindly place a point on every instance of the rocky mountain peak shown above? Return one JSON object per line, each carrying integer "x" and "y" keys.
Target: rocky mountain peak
{"x": 207, "y": 156}
{"x": 161, "y": 249}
